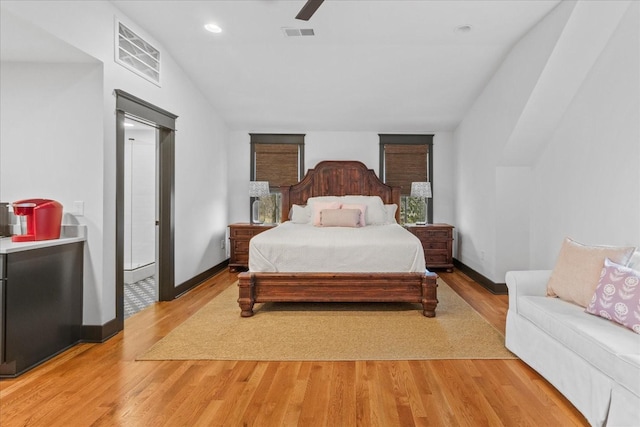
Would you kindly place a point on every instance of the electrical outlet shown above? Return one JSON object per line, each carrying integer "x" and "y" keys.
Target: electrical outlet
{"x": 222, "y": 244}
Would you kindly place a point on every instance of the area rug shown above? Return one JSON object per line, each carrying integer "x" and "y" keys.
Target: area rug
{"x": 332, "y": 331}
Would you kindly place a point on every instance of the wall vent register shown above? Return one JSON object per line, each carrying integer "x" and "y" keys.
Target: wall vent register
{"x": 137, "y": 55}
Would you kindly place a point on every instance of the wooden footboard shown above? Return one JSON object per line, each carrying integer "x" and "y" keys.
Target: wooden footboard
{"x": 337, "y": 287}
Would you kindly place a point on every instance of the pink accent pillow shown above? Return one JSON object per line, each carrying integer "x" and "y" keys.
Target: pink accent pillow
{"x": 319, "y": 206}
{"x": 617, "y": 296}
{"x": 340, "y": 218}
{"x": 575, "y": 275}
{"x": 362, "y": 208}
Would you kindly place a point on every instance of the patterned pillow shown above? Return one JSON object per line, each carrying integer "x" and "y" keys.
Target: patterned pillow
{"x": 617, "y": 296}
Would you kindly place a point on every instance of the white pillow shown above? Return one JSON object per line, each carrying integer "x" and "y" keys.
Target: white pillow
{"x": 300, "y": 214}
{"x": 323, "y": 199}
{"x": 391, "y": 213}
{"x": 375, "y": 214}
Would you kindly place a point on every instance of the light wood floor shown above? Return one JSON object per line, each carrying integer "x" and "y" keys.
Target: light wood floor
{"x": 103, "y": 385}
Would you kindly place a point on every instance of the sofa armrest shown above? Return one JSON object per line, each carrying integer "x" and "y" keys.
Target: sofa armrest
{"x": 527, "y": 282}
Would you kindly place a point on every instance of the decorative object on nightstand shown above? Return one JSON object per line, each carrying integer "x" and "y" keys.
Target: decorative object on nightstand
{"x": 239, "y": 236}
{"x": 257, "y": 189}
{"x": 437, "y": 243}
{"x": 422, "y": 190}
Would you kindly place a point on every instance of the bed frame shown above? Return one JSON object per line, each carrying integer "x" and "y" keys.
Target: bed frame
{"x": 337, "y": 178}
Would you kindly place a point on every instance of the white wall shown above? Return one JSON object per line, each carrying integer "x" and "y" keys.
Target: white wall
{"x": 51, "y": 145}
{"x": 200, "y": 160}
{"x": 586, "y": 181}
{"x": 139, "y": 197}
{"x": 319, "y": 146}
{"x": 513, "y": 204}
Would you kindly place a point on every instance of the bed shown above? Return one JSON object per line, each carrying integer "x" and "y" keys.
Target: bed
{"x": 410, "y": 282}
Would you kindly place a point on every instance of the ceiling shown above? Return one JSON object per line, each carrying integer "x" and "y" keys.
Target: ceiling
{"x": 21, "y": 41}
{"x": 373, "y": 65}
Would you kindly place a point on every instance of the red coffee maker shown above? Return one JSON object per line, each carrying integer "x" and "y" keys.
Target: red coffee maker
{"x": 43, "y": 219}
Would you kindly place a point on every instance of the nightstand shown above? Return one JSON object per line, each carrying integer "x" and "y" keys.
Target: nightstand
{"x": 239, "y": 236}
{"x": 437, "y": 242}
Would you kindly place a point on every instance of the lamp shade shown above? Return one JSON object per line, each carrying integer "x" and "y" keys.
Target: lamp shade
{"x": 258, "y": 188}
{"x": 421, "y": 189}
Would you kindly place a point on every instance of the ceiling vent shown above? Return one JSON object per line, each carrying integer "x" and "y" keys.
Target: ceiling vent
{"x": 137, "y": 55}
{"x": 297, "y": 32}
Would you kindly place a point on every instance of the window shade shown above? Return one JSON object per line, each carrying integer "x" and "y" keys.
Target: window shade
{"x": 276, "y": 163}
{"x": 404, "y": 164}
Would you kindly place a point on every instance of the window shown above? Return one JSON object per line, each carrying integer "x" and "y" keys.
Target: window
{"x": 405, "y": 159}
{"x": 278, "y": 159}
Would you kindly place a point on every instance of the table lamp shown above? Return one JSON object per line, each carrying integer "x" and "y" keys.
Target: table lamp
{"x": 422, "y": 190}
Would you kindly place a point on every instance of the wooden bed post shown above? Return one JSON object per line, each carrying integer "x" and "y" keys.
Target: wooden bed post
{"x": 429, "y": 294}
{"x": 246, "y": 297}
{"x": 286, "y": 204}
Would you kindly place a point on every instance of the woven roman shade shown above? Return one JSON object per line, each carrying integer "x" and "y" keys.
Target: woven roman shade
{"x": 277, "y": 158}
{"x": 404, "y": 164}
{"x": 276, "y": 163}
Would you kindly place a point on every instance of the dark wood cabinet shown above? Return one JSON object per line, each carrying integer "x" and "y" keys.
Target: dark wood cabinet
{"x": 437, "y": 242}
{"x": 239, "y": 236}
{"x": 41, "y": 305}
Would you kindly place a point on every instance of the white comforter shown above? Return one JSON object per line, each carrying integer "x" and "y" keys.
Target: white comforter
{"x": 293, "y": 247}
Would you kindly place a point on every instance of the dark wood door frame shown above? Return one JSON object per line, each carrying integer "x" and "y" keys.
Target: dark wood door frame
{"x": 164, "y": 121}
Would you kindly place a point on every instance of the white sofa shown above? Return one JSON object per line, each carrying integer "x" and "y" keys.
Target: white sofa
{"x": 593, "y": 362}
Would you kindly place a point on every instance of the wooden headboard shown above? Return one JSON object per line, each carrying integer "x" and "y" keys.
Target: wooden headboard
{"x": 338, "y": 178}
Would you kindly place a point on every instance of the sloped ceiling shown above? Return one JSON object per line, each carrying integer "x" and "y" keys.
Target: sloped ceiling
{"x": 382, "y": 66}
{"x": 584, "y": 35}
{"x": 21, "y": 41}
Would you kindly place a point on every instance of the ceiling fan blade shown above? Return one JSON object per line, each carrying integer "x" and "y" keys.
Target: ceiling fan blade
{"x": 308, "y": 9}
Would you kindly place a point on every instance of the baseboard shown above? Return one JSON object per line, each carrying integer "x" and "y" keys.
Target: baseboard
{"x": 195, "y": 281}
{"x": 101, "y": 333}
{"x": 490, "y": 285}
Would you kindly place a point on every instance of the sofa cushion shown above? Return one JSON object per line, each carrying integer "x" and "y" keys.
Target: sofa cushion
{"x": 617, "y": 296}
{"x": 598, "y": 341}
{"x": 575, "y": 275}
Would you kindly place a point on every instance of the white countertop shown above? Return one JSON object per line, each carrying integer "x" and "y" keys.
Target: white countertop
{"x": 69, "y": 234}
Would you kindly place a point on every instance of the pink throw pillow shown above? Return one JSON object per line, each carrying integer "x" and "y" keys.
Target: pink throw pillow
{"x": 575, "y": 276}
{"x": 340, "y": 218}
{"x": 319, "y": 206}
{"x": 617, "y": 296}
{"x": 363, "y": 210}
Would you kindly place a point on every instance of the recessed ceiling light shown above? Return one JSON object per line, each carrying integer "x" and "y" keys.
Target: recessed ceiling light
{"x": 213, "y": 28}
{"x": 462, "y": 29}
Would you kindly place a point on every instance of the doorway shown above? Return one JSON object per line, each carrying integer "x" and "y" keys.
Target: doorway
{"x": 129, "y": 107}
{"x": 140, "y": 213}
